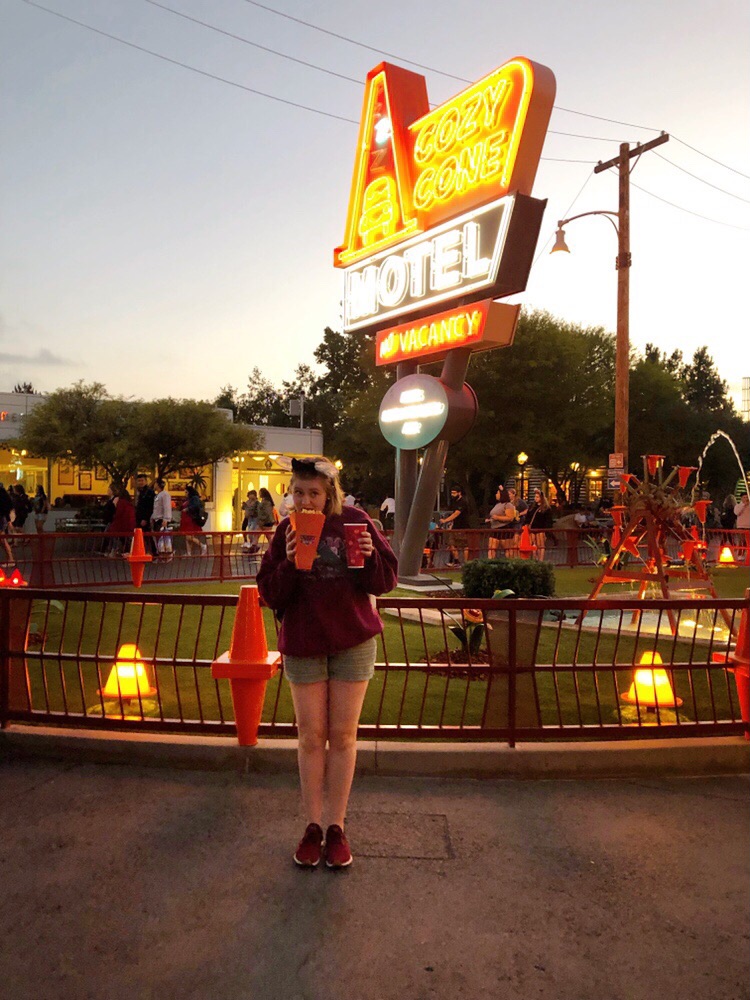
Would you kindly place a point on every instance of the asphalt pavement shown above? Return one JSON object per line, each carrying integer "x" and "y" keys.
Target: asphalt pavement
{"x": 121, "y": 881}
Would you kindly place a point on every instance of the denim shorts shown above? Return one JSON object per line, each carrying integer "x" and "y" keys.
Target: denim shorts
{"x": 354, "y": 664}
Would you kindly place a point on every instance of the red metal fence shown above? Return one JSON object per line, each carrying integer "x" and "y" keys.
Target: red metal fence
{"x": 447, "y": 668}
{"x": 86, "y": 560}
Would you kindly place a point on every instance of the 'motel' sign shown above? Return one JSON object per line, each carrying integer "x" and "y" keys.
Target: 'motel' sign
{"x": 440, "y": 207}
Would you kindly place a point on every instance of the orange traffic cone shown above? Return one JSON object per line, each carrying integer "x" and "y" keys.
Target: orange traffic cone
{"x": 14, "y": 580}
{"x": 248, "y": 665}
{"x": 741, "y": 659}
{"x": 138, "y": 557}
{"x": 526, "y": 546}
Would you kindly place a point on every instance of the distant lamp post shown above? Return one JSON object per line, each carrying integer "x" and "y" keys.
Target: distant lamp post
{"x": 522, "y": 458}
{"x": 339, "y": 464}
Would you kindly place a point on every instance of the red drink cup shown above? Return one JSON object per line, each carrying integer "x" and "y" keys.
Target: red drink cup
{"x": 355, "y": 557}
{"x": 308, "y": 524}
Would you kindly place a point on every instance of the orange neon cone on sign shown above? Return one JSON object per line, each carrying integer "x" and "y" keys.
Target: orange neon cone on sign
{"x": 248, "y": 665}
{"x": 138, "y": 557}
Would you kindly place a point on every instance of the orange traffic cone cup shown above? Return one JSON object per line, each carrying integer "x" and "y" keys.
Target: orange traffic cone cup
{"x": 526, "y": 546}
{"x": 308, "y": 525}
{"x": 741, "y": 659}
{"x": 248, "y": 665}
{"x": 138, "y": 557}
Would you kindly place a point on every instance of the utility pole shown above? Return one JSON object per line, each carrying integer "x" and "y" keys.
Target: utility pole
{"x": 623, "y": 263}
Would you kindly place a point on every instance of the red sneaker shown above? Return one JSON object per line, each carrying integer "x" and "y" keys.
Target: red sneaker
{"x": 338, "y": 854}
{"x": 310, "y": 847}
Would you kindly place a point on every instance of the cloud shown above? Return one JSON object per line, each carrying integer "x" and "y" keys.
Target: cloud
{"x": 43, "y": 358}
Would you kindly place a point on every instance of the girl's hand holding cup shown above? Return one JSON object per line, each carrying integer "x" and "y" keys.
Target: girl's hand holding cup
{"x": 291, "y": 542}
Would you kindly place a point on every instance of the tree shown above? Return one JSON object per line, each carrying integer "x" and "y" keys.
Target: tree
{"x": 25, "y": 387}
{"x": 182, "y": 435}
{"x": 86, "y": 426}
{"x": 703, "y": 387}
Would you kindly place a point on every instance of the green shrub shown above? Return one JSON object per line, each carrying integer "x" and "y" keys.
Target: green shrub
{"x": 482, "y": 577}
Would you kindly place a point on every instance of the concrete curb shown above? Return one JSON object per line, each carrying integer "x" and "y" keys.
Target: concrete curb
{"x": 689, "y": 756}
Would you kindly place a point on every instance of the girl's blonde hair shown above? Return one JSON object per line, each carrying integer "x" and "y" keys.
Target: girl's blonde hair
{"x": 319, "y": 467}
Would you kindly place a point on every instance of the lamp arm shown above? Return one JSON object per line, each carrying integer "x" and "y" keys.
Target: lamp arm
{"x": 610, "y": 215}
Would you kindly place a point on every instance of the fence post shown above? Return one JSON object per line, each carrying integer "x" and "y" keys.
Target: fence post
{"x": 512, "y": 668}
{"x": 15, "y": 617}
{"x": 574, "y": 536}
{"x": 4, "y": 658}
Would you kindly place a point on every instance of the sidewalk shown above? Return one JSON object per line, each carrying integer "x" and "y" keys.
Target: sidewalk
{"x": 123, "y": 883}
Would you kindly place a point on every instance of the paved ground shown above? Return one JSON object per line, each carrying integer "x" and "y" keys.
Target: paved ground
{"x": 120, "y": 882}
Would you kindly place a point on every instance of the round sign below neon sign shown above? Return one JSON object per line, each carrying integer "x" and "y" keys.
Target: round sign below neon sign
{"x": 420, "y": 409}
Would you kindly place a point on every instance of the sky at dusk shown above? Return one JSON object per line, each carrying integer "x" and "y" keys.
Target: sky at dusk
{"x": 164, "y": 232}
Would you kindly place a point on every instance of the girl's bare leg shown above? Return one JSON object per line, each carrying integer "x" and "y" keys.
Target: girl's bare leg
{"x": 345, "y": 700}
{"x": 311, "y": 711}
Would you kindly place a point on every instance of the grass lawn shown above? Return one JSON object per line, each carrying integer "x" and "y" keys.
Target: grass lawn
{"x": 81, "y": 643}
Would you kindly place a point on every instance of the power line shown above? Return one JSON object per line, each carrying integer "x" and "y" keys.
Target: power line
{"x": 698, "y": 151}
{"x": 353, "y": 41}
{"x": 461, "y": 79}
{"x": 324, "y": 69}
{"x": 743, "y": 229}
{"x": 193, "y": 69}
{"x": 256, "y": 45}
{"x": 701, "y": 179}
{"x": 318, "y": 111}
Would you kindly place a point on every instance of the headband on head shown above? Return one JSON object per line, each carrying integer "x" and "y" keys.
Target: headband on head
{"x": 314, "y": 467}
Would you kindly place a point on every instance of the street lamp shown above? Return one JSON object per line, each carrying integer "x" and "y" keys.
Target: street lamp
{"x": 522, "y": 458}
{"x": 622, "y": 342}
{"x": 622, "y": 264}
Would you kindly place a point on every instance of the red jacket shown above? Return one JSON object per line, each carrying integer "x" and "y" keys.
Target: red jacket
{"x": 327, "y": 609}
{"x": 124, "y": 519}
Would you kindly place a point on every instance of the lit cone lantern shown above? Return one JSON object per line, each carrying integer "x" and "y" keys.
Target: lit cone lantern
{"x": 526, "y": 546}
{"x": 651, "y": 687}
{"x": 700, "y": 507}
{"x": 138, "y": 557}
{"x": 14, "y": 580}
{"x": 652, "y": 463}
{"x": 740, "y": 656}
{"x": 726, "y": 557}
{"x": 683, "y": 474}
{"x": 248, "y": 665}
{"x": 128, "y": 679}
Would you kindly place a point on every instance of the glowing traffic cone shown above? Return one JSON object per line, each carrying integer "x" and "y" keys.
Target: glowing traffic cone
{"x": 248, "y": 665}
{"x": 14, "y": 580}
{"x": 526, "y": 547}
{"x": 740, "y": 656}
{"x": 128, "y": 679}
{"x": 726, "y": 557}
{"x": 138, "y": 557}
{"x": 651, "y": 688}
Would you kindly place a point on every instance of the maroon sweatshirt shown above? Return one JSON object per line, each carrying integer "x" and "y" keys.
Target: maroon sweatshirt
{"x": 328, "y": 608}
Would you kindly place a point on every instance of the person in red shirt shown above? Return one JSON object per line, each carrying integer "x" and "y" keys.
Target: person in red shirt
{"x": 123, "y": 521}
{"x": 328, "y": 641}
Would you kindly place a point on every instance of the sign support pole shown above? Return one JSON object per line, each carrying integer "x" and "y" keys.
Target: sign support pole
{"x": 407, "y": 465}
{"x": 455, "y": 366}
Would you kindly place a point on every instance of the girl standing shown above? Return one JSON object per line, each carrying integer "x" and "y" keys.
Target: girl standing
{"x": 40, "y": 508}
{"x": 327, "y": 637}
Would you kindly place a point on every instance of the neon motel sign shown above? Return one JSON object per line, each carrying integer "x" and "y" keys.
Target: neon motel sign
{"x": 440, "y": 205}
